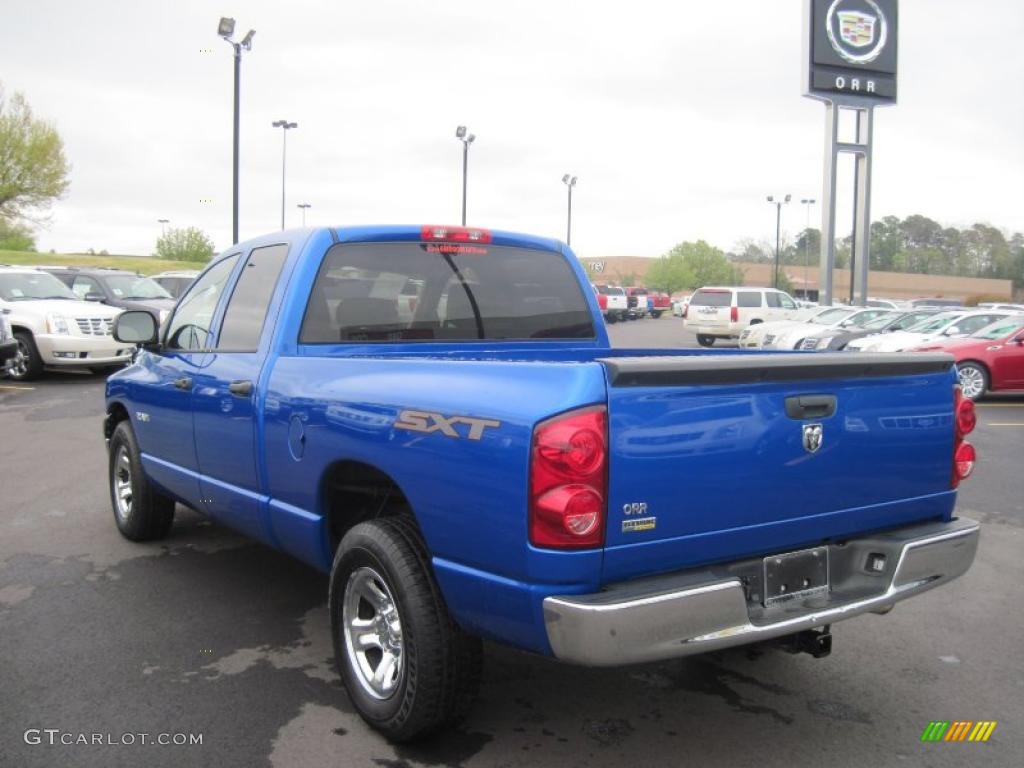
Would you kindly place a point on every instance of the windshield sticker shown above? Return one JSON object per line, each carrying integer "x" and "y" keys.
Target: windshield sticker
{"x": 16, "y": 292}
{"x": 117, "y": 291}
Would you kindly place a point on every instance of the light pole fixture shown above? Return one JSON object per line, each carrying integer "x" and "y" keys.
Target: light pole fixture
{"x": 163, "y": 226}
{"x": 460, "y": 134}
{"x": 570, "y": 182}
{"x": 304, "y": 206}
{"x": 778, "y": 231}
{"x": 285, "y": 126}
{"x": 808, "y": 202}
{"x": 226, "y": 28}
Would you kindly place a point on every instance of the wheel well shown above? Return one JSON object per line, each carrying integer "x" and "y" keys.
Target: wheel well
{"x": 116, "y": 413}
{"x": 756, "y": 321}
{"x": 354, "y": 492}
{"x": 22, "y": 329}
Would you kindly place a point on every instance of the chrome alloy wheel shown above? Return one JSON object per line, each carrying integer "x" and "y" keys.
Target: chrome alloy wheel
{"x": 122, "y": 481}
{"x": 972, "y": 382}
{"x": 19, "y": 366}
{"x": 373, "y": 633}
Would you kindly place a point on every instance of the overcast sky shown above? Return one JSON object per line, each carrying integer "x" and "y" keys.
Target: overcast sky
{"x": 677, "y": 117}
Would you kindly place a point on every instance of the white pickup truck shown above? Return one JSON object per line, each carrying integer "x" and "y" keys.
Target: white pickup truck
{"x": 613, "y": 301}
{"x": 52, "y": 327}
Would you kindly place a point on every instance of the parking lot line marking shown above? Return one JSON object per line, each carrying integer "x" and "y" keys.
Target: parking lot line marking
{"x": 999, "y": 405}
{"x": 20, "y": 389}
{"x": 1007, "y": 424}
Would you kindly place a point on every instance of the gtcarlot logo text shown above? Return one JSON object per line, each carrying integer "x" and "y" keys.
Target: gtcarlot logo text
{"x": 55, "y": 736}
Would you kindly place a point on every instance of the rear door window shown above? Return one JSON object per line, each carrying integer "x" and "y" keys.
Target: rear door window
{"x": 711, "y": 298}
{"x": 773, "y": 299}
{"x": 748, "y": 298}
{"x": 247, "y": 309}
{"x": 363, "y": 293}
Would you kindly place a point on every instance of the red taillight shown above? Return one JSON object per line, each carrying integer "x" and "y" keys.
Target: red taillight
{"x": 568, "y": 480}
{"x": 734, "y": 314}
{"x": 963, "y": 460}
{"x": 455, "y": 234}
{"x": 685, "y": 310}
{"x": 965, "y": 419}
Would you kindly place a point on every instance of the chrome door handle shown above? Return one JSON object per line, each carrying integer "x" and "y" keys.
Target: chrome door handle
{"x": 183, "y": 383}
{"x": 240, "y": 388}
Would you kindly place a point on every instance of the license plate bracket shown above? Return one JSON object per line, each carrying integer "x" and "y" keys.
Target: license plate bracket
{"x": 795, "y": 575}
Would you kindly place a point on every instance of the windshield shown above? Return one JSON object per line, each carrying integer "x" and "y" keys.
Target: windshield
{"x": 862, "y": 319}
{"x": 608, "y": 290}
{"x": 830, "y": 316}
{"x": 935, "y": 322}
{"x": 999, "y": 329}
{"x": 26, "y": 286}
{"x": 135, "y": 287}
{"x": 883, "y": 321}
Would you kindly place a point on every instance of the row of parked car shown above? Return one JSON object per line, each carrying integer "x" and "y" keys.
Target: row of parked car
{"x": 630, "y": 303}
{"x": 63, "y": 316}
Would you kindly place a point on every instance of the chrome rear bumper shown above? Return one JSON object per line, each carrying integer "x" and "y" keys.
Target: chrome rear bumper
{"x": 694, "y": 612}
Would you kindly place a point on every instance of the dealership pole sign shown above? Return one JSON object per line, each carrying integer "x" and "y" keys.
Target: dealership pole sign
{"x": 850, "y": 56}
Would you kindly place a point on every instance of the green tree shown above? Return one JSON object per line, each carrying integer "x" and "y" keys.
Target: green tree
{"x": 33, "y": 169}
{"x": 16, "y": 237}
{"x": 703, "y": 264}
{"x": 669, "y": 274}
{"x": 184, "y": 244}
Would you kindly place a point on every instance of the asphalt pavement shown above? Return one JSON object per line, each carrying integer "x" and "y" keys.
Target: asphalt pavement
{"x": 207, "y": 634}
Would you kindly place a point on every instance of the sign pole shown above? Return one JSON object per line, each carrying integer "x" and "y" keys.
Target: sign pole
{"x": 850, "y": 55}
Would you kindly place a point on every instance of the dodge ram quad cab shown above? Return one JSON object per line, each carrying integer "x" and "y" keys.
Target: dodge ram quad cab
{"x": 434, "y": 417}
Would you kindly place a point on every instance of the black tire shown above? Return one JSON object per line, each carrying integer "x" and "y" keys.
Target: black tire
{"x": 978, "y": 375}
{"x": 28, "y": 365}
{"x": 439, "y": 673}
{"x": 148, "y": 514}
{"x": 611, "y": 319}
{"x": 705, "y": 341}
{"x": 656, "y": 313}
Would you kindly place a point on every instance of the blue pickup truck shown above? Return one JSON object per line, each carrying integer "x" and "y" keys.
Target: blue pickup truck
{"x": 434, "y": 416}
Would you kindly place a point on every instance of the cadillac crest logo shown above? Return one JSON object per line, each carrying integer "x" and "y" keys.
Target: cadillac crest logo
{"x": 812, "y": 437}
{"x": 857, "y": 29}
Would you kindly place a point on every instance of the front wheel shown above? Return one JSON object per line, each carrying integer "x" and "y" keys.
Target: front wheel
{"x": 973, "y": 380}
{"x": 409, "y": 670}
{"x": 28, "y": 364}
{"x": 140, "y": 512}
{"x": 705, "y": 341}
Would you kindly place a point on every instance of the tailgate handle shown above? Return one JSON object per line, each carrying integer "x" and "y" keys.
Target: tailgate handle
{"x": 810, "y": 406}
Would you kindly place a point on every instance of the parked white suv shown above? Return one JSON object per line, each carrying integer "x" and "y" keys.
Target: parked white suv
{"x": 723, "y": 312}
{"x": 54, "y": 328}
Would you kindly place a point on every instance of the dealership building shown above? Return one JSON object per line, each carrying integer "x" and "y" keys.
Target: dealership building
{"x": 617, "y": 270}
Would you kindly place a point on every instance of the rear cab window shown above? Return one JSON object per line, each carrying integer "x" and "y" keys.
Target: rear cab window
{"x": 422, "y": 292}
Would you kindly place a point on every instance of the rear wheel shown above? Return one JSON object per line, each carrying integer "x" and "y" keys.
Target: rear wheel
{"x": 705, "y": 341}
{"x": 973, "y": 380}
{"x": 140, "y": 512}
{"x": 408, "y": 668}
{"x": 611, "y": 318}
{"x": 28, "y": 364}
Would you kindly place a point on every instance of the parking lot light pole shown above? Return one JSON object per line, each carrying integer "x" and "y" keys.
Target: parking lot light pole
{"x": 460, "y": 134}
{"x": 285, "y": 126}
{"x": 808, "y": 202}
{"x": 570, "y": 182}
{"x": 226, "y": 28}
{"x": 163, "y": 226}
{"x": 778, "y": 232}
{"x": 304, "y": 206}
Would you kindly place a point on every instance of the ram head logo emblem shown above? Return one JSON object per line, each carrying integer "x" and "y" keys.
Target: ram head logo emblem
{"x": 812, "y": 437}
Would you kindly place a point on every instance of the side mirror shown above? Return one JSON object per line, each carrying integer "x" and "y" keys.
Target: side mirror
{"x": 94, "y": 297}
{"x": 1019, "y": 339}
{"x": 952, "y": 331}
{"x": 135, "y": 327}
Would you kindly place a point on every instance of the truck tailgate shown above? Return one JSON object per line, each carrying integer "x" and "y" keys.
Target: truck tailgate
{"x": 717, "y": 457}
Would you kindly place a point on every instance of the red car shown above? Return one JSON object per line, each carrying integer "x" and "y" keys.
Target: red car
{"x": 989, "y": 360}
